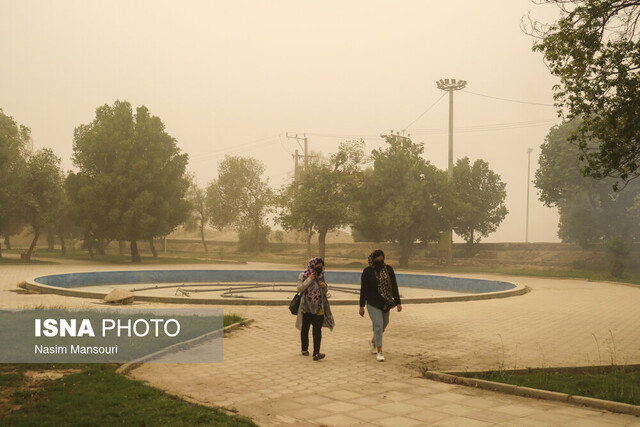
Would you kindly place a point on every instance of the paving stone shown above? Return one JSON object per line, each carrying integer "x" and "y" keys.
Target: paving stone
{"x": 338, "y": 420}
{"x": 398, "y": 421}
{"x": 398, "y": 408}
{"x": 461, "y": 422}
{"x": 489, "y": 416}
{"x": 428, "y": 417}
{"x": 368, "y": 414}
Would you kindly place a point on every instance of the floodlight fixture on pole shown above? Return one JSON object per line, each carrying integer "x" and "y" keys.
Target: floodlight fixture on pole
{"x": 449, "y": 85}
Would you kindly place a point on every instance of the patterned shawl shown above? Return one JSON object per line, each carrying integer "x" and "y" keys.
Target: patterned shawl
{"x": 384, "y": 281}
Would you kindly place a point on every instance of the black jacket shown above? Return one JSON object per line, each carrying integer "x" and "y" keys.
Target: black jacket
{"x": 369, "y": 289}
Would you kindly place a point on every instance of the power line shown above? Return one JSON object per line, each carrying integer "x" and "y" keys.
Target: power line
{"x": 343, "y": 136}
{"x": 489, "y": 127}
{"x": 508, "y": 100}
{"x": 425, "y": 112}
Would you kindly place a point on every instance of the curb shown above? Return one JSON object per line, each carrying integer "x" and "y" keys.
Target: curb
{"x": 125, "y": 368}
{"x": 607, "y": 405}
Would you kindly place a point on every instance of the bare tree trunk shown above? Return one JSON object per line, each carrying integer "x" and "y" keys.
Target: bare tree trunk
{"x": 322, "y": 237}
{"x": 0, "y": 250}
{"x": 309, "y": 236}
{"x": 34, "y": 242}
{"x": 88, "y": 242}
{"x": 204, "y": 243}
{"x": 51, "y": 240}
{"x": 470, "y": 244}
{"x": 153, "y": 248}
{"x": 7, "y": 242}
{"x": 135, "y": 255}
{"x": 63, "y": 247}
{"x": 405, "y": 252}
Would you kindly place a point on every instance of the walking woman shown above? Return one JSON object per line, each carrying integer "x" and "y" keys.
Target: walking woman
{"x": 379, "y": 291}
{"x": 314, "y": 307}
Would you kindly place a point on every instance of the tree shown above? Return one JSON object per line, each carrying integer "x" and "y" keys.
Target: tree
{"x": 241, "y": 199}
{"x": 131, "y": 181}
{"x": 42, "y": 193}
{"x": 594, "y": 49}
{"x": 402, "y": 197}
{"x": 322, "y": 198}
{"x": 590, "y": 210}
{"x": 13, "y": 151}
{"x": 88, "y": 211}
{"x": 199, "y": 215}
{"x": 481, "y": 195}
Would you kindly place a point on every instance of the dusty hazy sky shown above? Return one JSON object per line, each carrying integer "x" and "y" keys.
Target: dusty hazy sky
{"x": 232, "y": 77}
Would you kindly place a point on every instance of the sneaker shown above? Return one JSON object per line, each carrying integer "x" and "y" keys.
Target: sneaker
{"x": 380, "y": 357}
{"x": 372, "y": 347}
{"x": 318, "y": 356}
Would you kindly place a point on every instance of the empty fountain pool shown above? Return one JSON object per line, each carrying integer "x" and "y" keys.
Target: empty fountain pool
{"x": 260, "y": 287}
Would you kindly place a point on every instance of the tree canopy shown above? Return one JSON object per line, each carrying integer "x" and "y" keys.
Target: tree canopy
{"x": 240, "y": 198}
{"x": 43, "y": 193}
{"x": 594, "y": 48}
{"x": 131, "y": 181}
{"x": 13, "y": 150}
{"x": 590, "y": 210}
{"x": 322, "y": 198}
{"x": 480, "y": 198}
{"x": 401, "y": 197}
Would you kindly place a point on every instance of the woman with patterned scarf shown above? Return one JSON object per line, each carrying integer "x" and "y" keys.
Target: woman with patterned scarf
{"x": 314, "y": 307}
{"x": 379, "y": 291}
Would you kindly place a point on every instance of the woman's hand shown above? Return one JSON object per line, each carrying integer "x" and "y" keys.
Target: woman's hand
{"x": 322, "y": 285}
{"x": 312, "y": 276}
{"x": 399, "y": 307}
{"x": 361, "y": 311}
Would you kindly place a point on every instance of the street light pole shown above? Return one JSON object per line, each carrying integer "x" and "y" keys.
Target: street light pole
{"x": 529, "y": 150}
{"x": 449, "y": 85}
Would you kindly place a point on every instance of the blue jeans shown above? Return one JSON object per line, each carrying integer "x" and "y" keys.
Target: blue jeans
{"x": 379, "y": 321}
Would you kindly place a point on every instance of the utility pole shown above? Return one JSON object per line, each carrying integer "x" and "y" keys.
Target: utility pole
{"x": 446, "y": 238}
{"x": 305, "y": 155}
{"x": 295, "y": 166}
{"x": 529, "y": 150}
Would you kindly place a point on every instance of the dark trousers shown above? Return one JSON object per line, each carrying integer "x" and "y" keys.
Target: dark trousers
{"x": 309, "y": 319}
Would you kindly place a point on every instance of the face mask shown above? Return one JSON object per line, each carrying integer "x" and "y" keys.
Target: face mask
{"x": 378, "y": 264}
{"x": 318, "y": 272}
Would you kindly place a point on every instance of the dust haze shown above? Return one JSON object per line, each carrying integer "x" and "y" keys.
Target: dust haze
{"x": 232, "y": 78}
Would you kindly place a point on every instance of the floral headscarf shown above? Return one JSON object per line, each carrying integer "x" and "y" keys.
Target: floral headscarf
{"x": 313, "y": 262}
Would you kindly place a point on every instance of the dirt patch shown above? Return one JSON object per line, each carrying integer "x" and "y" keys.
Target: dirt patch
{"x": 35, "y": 376}
{"x": 26, "y": 385}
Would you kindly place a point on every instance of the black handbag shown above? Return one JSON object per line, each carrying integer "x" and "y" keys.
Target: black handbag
{"x": 294, "y": 305}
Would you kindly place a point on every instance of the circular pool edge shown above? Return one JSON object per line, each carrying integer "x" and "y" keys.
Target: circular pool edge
{"x": 63, "y": 284}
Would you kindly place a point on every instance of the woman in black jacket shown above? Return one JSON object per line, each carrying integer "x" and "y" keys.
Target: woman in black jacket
{"x": 379, "y": 291}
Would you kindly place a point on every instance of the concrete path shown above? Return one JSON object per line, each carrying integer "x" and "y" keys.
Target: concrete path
{"x": 559, "y": 323}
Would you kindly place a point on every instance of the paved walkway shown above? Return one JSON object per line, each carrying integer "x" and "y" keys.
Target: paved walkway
{"x": 559, "y": 323}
